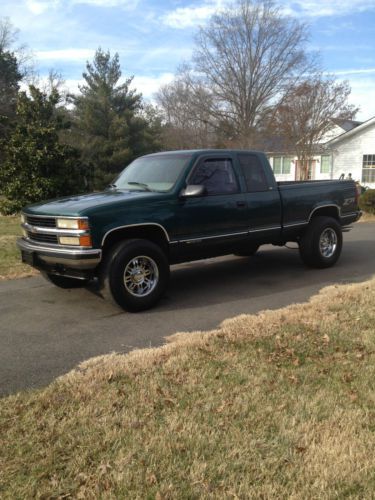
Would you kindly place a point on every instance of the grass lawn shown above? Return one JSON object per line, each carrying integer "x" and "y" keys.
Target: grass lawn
{"x": 276, "y": 405}
{"x": 10, "y": 261}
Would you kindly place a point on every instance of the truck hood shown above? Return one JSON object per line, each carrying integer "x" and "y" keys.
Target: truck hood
{"x": 82, "y": 204}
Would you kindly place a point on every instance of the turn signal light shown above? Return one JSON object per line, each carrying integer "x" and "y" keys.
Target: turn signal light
{"x": 83, "y": 224}
{"x": 85, "y": 241}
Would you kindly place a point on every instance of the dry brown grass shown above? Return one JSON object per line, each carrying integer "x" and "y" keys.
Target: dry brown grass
{"x": 10, "y": 260}
{"x": 277, "y": 405}
{"x": 366, "y": 217}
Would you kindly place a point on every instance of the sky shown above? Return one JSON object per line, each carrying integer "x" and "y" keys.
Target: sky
{"x": 154, "y": 37}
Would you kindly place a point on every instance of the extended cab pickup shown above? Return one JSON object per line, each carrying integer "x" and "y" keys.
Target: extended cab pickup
{"x": 166, "y": 208}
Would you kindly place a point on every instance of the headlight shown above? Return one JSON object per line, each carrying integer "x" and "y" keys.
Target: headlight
{"x": 72, "y": 223}
{"x": 23, "y": 219}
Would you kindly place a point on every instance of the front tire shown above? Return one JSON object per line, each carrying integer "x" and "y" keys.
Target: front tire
{"x": 135, "y": 275}
{"x": 321, "y": 244}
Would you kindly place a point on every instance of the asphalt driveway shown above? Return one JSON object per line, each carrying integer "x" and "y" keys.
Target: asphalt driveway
{"x": 46, "y": 331}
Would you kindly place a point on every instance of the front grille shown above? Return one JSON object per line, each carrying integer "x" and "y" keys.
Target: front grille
{"x": 43, "y": 238}
{"x": 41, "y": 221}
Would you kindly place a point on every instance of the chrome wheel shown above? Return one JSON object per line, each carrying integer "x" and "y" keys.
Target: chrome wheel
{"x": 141, "y": 276}
{"x": 328, "y": 243}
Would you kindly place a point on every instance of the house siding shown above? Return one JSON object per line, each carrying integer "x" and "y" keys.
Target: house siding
{"x": 347, "y": 154}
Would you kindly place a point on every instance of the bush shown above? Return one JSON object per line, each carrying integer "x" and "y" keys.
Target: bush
{"x": 35, "y": 166}
{"x": 367, "y": 201}
{"x": 9, "y": 207}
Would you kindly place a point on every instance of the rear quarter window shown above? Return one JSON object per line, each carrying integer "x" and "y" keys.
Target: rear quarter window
{"x": 253, "y": 172}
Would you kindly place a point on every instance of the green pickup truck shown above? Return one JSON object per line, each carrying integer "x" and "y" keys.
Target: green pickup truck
{"x": 179, "y": 206}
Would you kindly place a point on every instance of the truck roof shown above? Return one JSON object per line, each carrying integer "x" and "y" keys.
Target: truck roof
{"x": 206, "y": 151}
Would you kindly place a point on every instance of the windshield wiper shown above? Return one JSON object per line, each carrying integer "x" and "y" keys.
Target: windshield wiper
{"x": 140, "y": 184}
{"x": 111, "y": 186}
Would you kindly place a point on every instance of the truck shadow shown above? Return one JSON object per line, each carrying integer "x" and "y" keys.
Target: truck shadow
{"x": 233, "y": 283}
{"x": 271, "y": 270}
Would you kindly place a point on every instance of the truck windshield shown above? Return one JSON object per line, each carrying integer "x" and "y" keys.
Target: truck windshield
{"x": 152, "y": 173}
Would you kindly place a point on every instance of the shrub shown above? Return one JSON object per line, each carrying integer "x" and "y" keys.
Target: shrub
{"x": 367, "y": 201}
{"x": 35, "y": 166}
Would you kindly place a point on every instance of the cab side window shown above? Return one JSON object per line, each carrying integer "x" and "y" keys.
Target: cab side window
{"x": 217, "y": 175}
{"x": 254, "y": 173}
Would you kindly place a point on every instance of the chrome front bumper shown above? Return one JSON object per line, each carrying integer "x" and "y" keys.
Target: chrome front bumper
{"x": 71, "y": 258}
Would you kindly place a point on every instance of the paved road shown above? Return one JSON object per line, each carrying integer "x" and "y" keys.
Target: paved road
{"x": 46, "y": 331}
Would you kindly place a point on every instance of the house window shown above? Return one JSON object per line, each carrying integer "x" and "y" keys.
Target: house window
{"x": 281, "y": 165}
{"x": 286, "y": 164}
{"x": 325, "y": 164}
{"x": 368, "y": 168}
{"x": 277, "y": 165}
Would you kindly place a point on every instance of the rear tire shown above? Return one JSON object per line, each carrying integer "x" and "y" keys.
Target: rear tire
{"x": 321, "y": 244}
{"x": 135, "y": 275}
{"x": 64, "y": 281}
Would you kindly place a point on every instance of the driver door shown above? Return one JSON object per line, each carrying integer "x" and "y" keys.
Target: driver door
{"x": 218, "y": 216}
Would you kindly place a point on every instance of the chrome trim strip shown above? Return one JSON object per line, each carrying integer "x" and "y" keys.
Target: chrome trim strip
{"x": 325, "y": 206}
{"x": 25, "y": 214}
{"x": 272, "y": 228}
{"x": 136, "y": 225}
{"x": 349, "y": 215}
{"x": 317, "y": 208}
{"x": 191, "y": 240}
{"x": 58, "y": 249}
{"x": 295, "y": 224}
{"x": 249, "y": 231}
{"x": 54, "y": 230}
{"x": 56, "y": 246}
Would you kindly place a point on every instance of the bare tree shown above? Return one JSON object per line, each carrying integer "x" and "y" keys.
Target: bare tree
{"x": 183, "y": 104}
{"x": 54, "y": 81}
{"x": 247, "y": 58}
{"x": 308, "y": 113}
{"x": 8, "y": 43}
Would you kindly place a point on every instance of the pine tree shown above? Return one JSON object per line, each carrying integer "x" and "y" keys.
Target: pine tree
{"x": 110, "y": 126}
{"x": 36, "y": 165}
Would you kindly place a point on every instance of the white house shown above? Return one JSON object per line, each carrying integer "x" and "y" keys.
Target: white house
{"x": 348, "y": 148}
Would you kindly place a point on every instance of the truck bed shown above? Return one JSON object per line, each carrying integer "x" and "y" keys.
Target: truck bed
{"x": 298, "y": 198}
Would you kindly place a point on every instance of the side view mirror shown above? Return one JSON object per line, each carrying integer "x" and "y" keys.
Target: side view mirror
{"x": 193, "y": 191}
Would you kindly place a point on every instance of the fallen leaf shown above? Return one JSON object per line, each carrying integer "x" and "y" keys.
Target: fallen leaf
{"x": 301, "y": 449}
{"x": 151, "y": 479}
{"x": 353, "y": 396}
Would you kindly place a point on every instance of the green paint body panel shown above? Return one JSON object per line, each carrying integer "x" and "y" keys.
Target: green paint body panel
{"x": 274, "y": 215}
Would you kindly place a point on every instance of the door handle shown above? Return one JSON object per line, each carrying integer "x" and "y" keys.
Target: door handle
{"x": 241, "y": 204}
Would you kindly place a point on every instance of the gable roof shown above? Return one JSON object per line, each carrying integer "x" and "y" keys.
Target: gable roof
{"x": 346, "y": 124}
{"x": 352, "y": 131}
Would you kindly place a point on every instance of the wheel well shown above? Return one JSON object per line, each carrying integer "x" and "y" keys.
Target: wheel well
{"x": 330, "y": 211}
{"x": 151, "y": 233}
